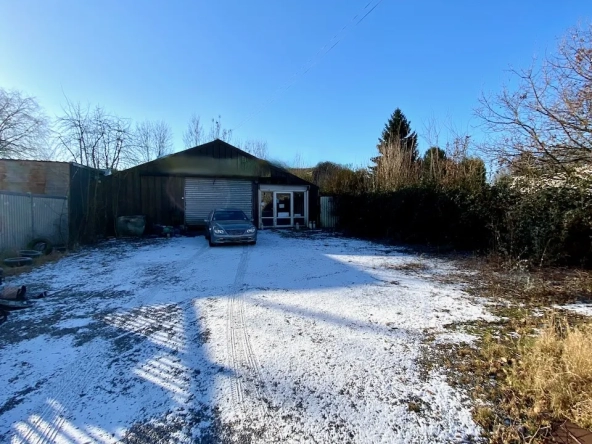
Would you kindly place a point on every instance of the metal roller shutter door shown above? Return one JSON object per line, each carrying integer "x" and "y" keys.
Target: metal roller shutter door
{"x": 204, "y": 195}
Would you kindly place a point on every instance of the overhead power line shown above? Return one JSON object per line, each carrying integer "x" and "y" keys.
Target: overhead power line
{"x": 315, "y": 59}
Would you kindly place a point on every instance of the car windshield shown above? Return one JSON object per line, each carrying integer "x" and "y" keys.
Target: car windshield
{"x": 230, "y": 215}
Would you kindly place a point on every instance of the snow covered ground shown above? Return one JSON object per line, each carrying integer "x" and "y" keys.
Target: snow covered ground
{"x": 297, "y": 339}
{"x": 581, "y": 308}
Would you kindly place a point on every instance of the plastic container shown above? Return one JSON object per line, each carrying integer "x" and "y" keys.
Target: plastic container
{"x": 131, "y": 225}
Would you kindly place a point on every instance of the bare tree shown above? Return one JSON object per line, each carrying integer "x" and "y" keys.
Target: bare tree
{"x": 431, "y": 132}
{"x": 257, "y": 148}
{"x": 193, "y": 135}
{"x": 546, "y": 123}
{"x": 217, "y": 131}
{"x": 23, "y": 125}
{"x": 297, "y": 161}
{"x": 51, "y": 151}
{"x": 92, "y": 137}
{"x": 151, "y": 140}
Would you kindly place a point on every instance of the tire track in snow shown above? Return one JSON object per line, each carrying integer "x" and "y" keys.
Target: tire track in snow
{"x": 247, "y": 379}
{"x": 242, "y": 359}
{"x": 79, "y": 377}
{"x": 235, "y": 349}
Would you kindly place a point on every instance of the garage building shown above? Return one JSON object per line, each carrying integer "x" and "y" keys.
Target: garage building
{"x": 182, "y": 188}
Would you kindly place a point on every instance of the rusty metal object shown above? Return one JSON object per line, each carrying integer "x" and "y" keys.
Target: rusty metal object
{"x": 36, "y": 177}
{"x": 569, "y": 433}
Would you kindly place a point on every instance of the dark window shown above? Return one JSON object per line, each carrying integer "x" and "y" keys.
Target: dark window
{"x": 298, "y": 203}
{"x": 266, "y": 204}
{"x": 230, "y": 215}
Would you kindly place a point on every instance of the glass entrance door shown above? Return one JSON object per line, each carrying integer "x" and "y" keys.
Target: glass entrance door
{"x": 283, "y": 209}
{"x": 267, "y": 207}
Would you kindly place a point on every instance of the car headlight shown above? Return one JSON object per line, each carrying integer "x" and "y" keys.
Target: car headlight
{"x": 251, "y": 230}
{"x": 218, "y": 231}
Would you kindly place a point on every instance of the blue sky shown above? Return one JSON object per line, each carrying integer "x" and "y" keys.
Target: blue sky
{"x": 168, "y": 60}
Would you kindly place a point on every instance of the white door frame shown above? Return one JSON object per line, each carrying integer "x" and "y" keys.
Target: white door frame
{"x": 282, "y": 189}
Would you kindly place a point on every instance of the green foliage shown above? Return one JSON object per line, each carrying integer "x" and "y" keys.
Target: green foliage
{"x": 417, "y": 215}
{"x": 397, "y": 134}
{"x": 303, "y": 173}
{"x": 398, "y": 129}
{"x": 473, "y": 172}
{"x": 332, "y": 178}
{"x": 433, "y": 165}
{"x": 443, "y": 199}
{"x": 325, "y": 172}
{"x": 550, "y": 226}
{"x": 434, "y": 154}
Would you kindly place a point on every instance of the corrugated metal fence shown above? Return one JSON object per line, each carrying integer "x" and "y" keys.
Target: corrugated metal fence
{"x": 328, "y": 217}
{"x": 24, "y": 217}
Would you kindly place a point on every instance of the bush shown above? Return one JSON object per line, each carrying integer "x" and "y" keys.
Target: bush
{"x": 419, "y": 215}
{"x": 547, "y": 226}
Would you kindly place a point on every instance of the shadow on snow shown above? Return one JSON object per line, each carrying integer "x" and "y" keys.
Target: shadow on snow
{"x": 157, "y": 339}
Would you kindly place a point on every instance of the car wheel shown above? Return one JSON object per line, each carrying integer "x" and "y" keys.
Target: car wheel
{"x": 212, "y": 244}
{"x": 253, "y": 243}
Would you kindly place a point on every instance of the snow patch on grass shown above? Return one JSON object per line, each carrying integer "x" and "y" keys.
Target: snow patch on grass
{"x": 582, "y": 308}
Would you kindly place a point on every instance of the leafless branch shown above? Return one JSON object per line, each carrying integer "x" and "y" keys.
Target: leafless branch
{"x": 217, "y": 131}
{"x": 23, "y": 125}
{"x": 546, "y": 123}
{"x": 92, "y": 137}
{"x": 151, "y": 140}
{"x": 193, "y": 135}
{"x": 257, "y": 148}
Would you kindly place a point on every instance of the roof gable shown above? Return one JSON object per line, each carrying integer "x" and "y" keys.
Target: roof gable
{"x": 215, "y": 159}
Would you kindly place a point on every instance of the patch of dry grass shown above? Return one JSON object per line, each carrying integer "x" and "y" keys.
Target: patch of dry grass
{"x": 534, "y": 288}
{"x": 554, "y": 373}
{"x": 408, "y": 266}
{"x": 527, "y": 385}
{"x": 531, "y": 370}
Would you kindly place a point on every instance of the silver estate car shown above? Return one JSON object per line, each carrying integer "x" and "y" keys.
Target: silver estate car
{"x": 229, "y": 225}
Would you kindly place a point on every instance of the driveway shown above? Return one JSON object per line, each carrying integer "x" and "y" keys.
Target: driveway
{"x": 298, "y": 339}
